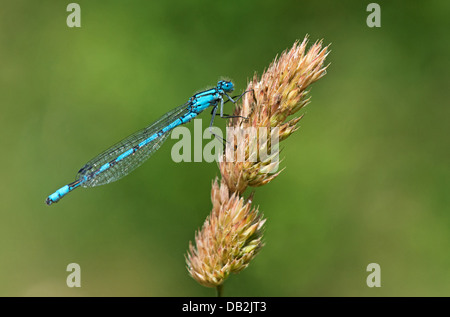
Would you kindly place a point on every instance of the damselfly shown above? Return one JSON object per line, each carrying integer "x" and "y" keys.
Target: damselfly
{"x": 125, "y": 156}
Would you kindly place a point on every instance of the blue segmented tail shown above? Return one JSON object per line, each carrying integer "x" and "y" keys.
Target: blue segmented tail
{"x": 63, "y": 191}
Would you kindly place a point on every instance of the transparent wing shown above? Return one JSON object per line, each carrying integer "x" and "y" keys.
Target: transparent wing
{"x": 131, "y": 162}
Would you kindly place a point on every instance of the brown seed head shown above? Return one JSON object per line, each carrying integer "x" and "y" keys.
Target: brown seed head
{"x": 280, "y": 93}
{"x": 229, "y": 239}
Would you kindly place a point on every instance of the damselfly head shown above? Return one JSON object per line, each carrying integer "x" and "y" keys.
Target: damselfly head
{"x": 225, "y": 85}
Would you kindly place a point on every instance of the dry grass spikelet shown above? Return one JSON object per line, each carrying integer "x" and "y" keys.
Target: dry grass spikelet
{"x": 230, "y": 237}
{"x": 232, "y": 234}
{"x": 281, "y": 92}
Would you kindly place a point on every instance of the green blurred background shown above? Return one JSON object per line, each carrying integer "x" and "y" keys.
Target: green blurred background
{"x": 367, "y": 177}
